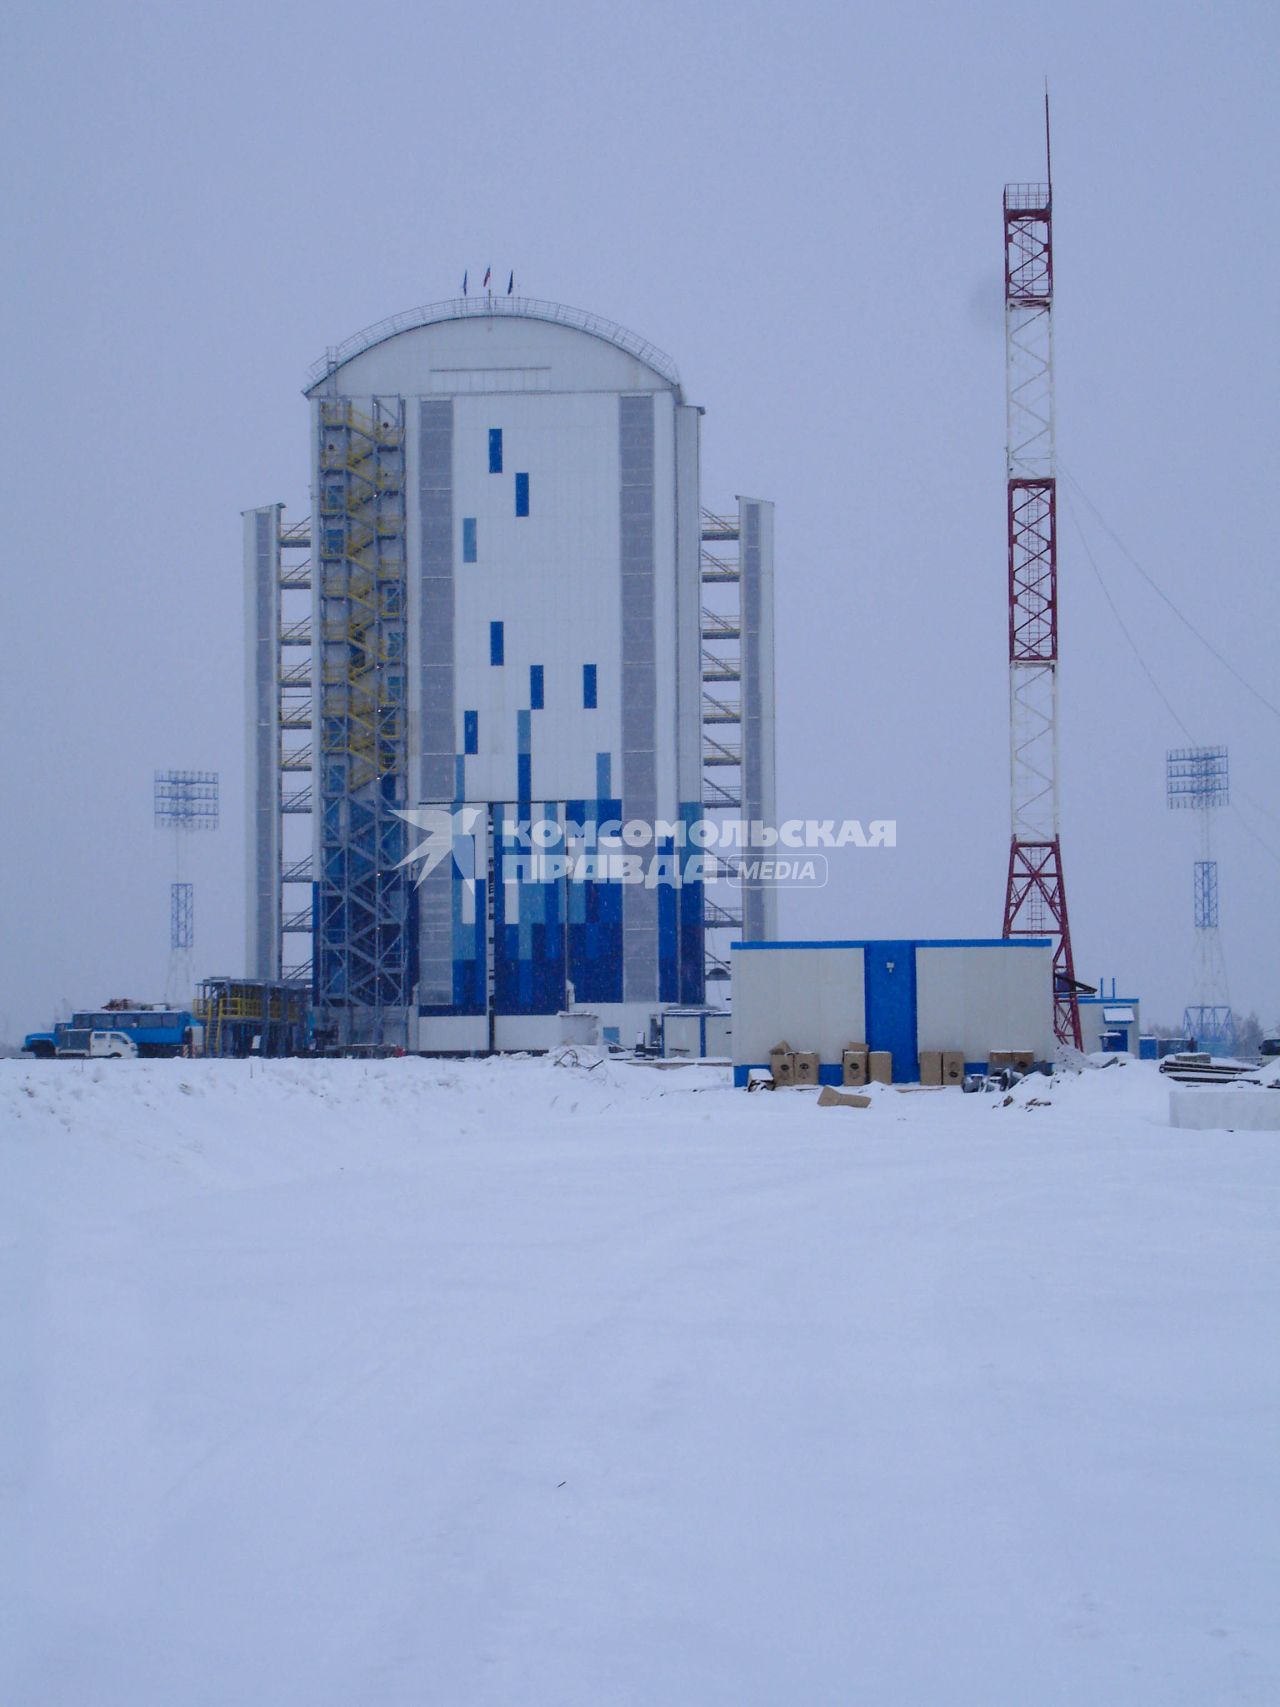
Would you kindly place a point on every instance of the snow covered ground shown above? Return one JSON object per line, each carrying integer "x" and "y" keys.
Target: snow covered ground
{"x": 343, "y": 1385}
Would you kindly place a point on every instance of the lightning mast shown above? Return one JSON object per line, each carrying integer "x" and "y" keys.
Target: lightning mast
{"x": 1036, "y": 896}
{"x": 1198, "y": 778}
{"x": 184, "y": 801}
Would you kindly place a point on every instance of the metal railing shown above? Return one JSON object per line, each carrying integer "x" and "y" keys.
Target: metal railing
{"x": 717, "y": 627}
{"x": 1026, "y": 198}
{"x": 720, "y": 710}
{"x": 716, "y": 569}
{"x": 717, "y": 753}
{"x": 488, "y": 307}
{"x": 296, "y": 536}
{"x": 719, "y": 527}
{"x": 720, "y": 669}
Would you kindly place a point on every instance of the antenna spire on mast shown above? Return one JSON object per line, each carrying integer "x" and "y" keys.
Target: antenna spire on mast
{"x": 1048, "y": 146}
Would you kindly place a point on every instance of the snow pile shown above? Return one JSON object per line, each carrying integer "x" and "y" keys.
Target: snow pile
{"x": 508, "y": 1382}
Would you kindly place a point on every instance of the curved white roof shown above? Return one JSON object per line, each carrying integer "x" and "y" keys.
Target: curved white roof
{"x": 487, "y": 307}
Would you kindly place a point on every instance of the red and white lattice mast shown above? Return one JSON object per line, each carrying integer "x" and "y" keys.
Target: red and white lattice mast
{"x": 1036, "y": 898}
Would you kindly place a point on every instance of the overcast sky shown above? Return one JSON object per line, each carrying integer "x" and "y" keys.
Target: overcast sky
{"x": 801, "y": 203}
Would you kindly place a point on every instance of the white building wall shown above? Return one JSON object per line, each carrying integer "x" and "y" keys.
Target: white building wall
{"x": 811, "y": 998}
{"x": 551, "y": 578}
{"x": 984, "y": 998}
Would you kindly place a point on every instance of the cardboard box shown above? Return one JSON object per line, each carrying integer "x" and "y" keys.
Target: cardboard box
{"x": 854, "y": 1061}
{"x": 782, "y": 1064}
{"x": 931, "y": 1066}
{"x": 1022, "y": 1060}
{"x": 880, "y": 1067}
{"x": 806, "y": 1068}
{"x": 828, "y": 1097}
{"x": 953, "y": 1066}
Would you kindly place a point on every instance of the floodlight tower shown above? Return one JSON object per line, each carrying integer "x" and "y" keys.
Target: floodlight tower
{"x": 1197, "y": 778}
{"x": 184, "y": 801}
{"x": 1035, "y": 896}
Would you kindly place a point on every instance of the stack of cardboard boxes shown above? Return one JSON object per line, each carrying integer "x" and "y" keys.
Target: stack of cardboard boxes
{"x": 942, "y": 1066}
{"x": 792, "y": 1066}
{"x": 862, "y": 1066}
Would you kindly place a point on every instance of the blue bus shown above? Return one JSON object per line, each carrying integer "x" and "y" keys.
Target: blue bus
{"x": 152, "y": 1031}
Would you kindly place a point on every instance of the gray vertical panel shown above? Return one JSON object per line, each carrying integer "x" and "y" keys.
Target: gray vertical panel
{"x": 436, "y": 684}
{"x": 688, "y": 607}
{"x": 755, "y": 527}
{"x": 435, "y": 626}
{"x": 263, "y": 792}
{"x": 639, "y": 683}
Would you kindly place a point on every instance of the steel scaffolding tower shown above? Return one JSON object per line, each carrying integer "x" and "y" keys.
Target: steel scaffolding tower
{"x": 737, "y": 696}
{"x": 362, "y": 941}
{"x": 1197, "y": 779}
{"x": 280, "y": 754}
{"x": 1035, "y": 894}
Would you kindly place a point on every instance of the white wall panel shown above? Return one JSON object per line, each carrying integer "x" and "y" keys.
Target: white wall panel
{"x": 813, "y": 998}
{"x": 980, "y": 999}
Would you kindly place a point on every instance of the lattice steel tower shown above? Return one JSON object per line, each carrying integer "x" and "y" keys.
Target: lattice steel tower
{"x": 1036, "y": 896}
{"x": 1197, "y": 779}
{"x": 184, "y": 801}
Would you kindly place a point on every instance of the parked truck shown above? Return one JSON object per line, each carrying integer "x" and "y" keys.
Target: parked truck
{"x": 121, "y": 1033}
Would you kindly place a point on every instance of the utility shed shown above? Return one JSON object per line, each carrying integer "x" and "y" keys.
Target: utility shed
{"x": 1110, "y": 1023}
{"x": 971, "y": 995}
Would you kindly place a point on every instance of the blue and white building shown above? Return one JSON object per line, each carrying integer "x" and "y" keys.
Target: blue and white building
{"x": 505, "y": 622}
{"x": 971, "y": 995}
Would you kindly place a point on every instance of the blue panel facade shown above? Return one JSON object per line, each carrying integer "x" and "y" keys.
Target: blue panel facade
{"x": 468, "y": 539}
{"x": 668, "y": 928}
{"x": 693, "y": 964}
{"x": 595, "y": 918}
{"x": 495, "y": 450}
{"x": 522, "y": 494}
{"x": 529, "y": 932}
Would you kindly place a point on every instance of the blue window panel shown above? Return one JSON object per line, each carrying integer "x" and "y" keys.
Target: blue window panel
{"x": 535, "y": 687}
{"x": 495, "y": 450}
{"x": 471, "y": 731}
{"x": 589, "y": 686}
{"x": 468, "y": 539}
{"x": 522, "y": 494}
{"x": 604, "y": 767}
{"x": 524, "y": 732}
{"x": 524, "y": 778}
{"x": 497, "y": 643}
{"x": 459, "y": 779}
